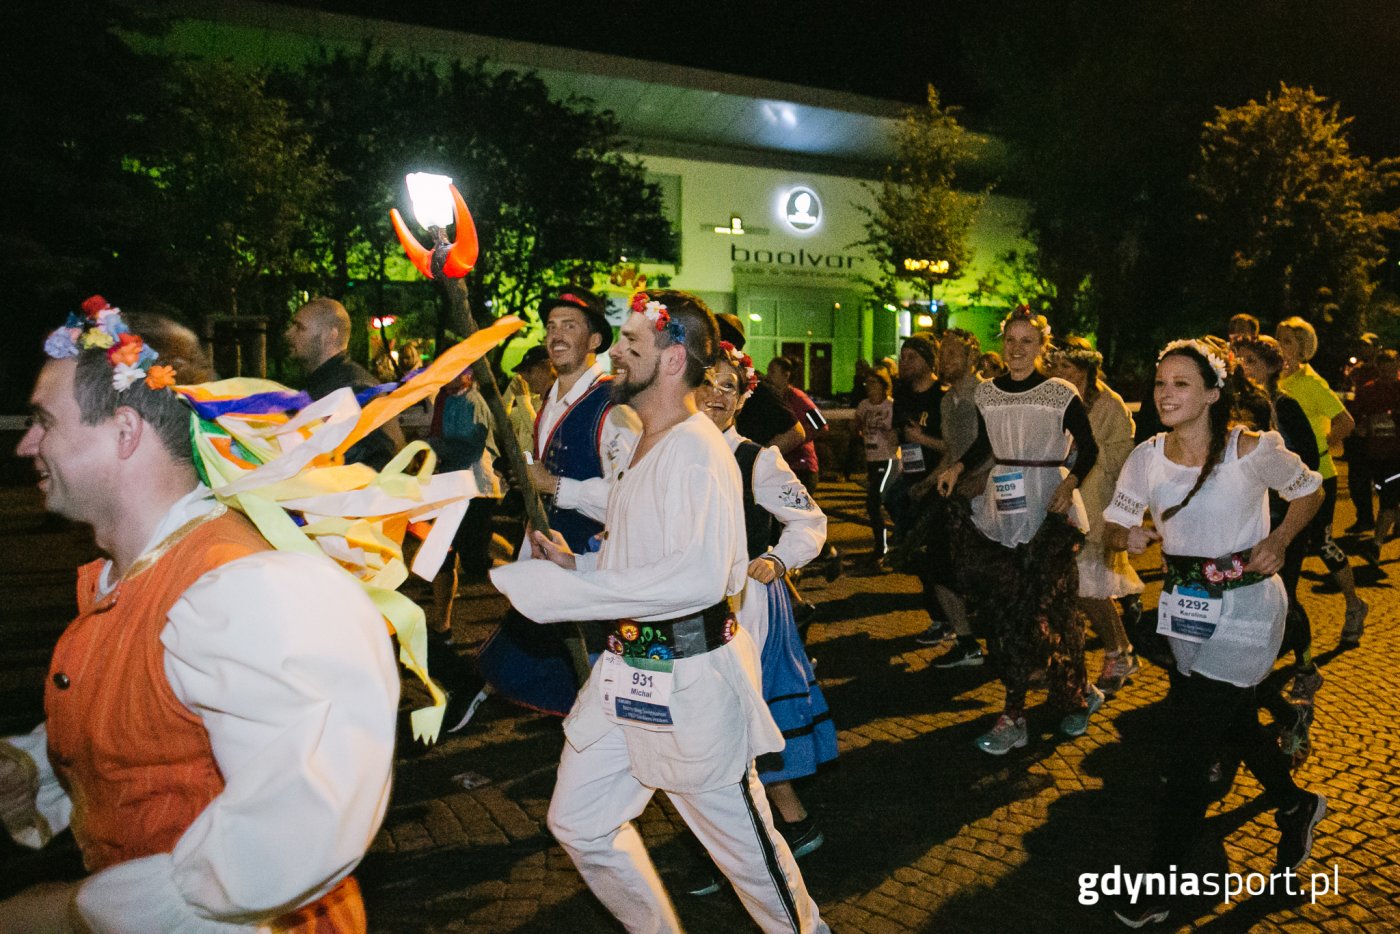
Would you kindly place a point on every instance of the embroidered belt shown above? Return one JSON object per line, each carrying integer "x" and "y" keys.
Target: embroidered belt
{"x": 685, "y": 637}
{"x": 1214, "y": 575}
{"x": 1008, "y": 462}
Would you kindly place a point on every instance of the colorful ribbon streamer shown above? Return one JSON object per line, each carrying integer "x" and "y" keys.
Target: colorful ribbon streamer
{"x": 278, "y": 457}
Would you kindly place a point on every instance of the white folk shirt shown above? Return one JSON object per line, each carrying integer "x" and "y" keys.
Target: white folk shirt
{"x": 777, "y": 489}
{"x": 1228, "y": 514}
{"x": 621, "y": 429}
{"x": 674, "y": 546}
{"x": 289, "y": 667}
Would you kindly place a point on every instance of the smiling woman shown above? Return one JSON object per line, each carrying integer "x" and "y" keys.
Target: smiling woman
{"x": 1205, "y": 484}
{"x": 1017, "y": 555}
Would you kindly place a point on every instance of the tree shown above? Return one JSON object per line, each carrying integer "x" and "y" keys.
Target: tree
{"x": 237, "y": 180}
{"x": 918, "y": 228}
{"x": 1290, "y": 212}
{"x": 548, "y": 186}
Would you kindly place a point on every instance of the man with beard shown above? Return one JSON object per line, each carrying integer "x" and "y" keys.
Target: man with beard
{"x": 581, "y": 437}
{"x": 675, "y": 702}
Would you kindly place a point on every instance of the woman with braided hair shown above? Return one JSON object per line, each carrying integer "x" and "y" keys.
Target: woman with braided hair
{"x": 1017, "y": 554}
{"x": 1223, "y": 605}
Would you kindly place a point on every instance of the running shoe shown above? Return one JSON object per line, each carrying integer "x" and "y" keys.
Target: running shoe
{"x": 961, "y": 655}
{"x": 1355, "y": 624}
{"x": 1140, "y": 916}
{"x": 802, "y": 836}
{"x": 1295, "y": 829}
{"x": 1077, "y": 722}
{"x": 1007, "y": 735}
{"x": 835, "y": 567}
{"x": 937, "y": 633}
{"x": 1305, "y": 686}
{"x": 460, "y": 709}
{"x": 1118, "y": 669}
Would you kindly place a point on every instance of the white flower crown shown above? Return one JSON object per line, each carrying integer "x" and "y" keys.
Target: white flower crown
{"x": 1217, "y": 362}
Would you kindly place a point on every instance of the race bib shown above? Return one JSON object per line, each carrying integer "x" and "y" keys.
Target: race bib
{"x": 1188, "y": 613}
{"x": 913, "y": 457}
{"x": 1009, "y": 492}
{"x": 637, "y": 689}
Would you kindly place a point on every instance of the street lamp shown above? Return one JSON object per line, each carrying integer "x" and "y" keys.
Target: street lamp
{"x": 929, "y": 270}
{"x": 436, "y": 204}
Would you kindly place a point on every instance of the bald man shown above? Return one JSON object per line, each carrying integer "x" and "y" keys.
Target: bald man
{"x": 319, "y": 339}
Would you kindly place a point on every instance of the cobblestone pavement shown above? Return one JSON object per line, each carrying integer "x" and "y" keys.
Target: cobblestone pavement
{"x": 923, "y": 832}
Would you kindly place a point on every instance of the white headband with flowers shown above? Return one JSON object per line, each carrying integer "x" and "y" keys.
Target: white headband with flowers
{"x": 1217, "y": 362}
{"x": 743, "y": 363}
{"x": 101, "y": 327}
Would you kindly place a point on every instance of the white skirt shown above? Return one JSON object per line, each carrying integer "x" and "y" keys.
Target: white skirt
{"x": 1105, "y": 574}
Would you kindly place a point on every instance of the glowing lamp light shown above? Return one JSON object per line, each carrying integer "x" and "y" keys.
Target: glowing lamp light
{"x": 937, "y": 267}
{"x": 436, "y": 205}
{"x": 925, "y": 321}
{"x": 387, "y": 321}
{"x": 755, "y": 317}
{"x": 432, "y": 199}
{"x": 890, "y": 308}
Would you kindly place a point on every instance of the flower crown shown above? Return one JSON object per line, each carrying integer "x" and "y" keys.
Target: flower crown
{"x": 1024, "y": 313}
{"x": 655, "y": 312}
{"x": 659, "y": 316}
{"x": 101, "y": 327}
{"x": 1217, "y": 362}
{"x": 744, "y": 364}
{"x": 1080, "y": 356}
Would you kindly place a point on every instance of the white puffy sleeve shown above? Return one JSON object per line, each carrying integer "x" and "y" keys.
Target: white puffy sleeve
{"x": 289, "y": 666}
{"x": 621, "y": 429}
{"x": 1131, "y": 495}
{"x": 690, "y": 570}
{"x": 1273, "y": 465}
{"x": 777, "y": 489}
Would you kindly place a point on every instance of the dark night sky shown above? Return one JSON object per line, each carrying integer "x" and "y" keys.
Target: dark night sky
{"x": 886, "y": 49}
{"x": 891, "y": 49}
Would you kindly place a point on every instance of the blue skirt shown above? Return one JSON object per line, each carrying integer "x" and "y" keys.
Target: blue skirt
{"x": 528, "y": 663}
{"x": 793, "y": 697}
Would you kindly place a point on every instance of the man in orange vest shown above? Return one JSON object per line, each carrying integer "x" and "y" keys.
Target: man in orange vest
{"x": 220, "y": 716}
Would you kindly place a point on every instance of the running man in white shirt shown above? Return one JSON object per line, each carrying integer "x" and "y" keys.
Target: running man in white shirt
{"x": 676, "y": 702}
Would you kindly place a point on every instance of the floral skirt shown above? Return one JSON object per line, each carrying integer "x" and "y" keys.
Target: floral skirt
{"x": 1026, "y": 598}
{"x": 794, "y": 699}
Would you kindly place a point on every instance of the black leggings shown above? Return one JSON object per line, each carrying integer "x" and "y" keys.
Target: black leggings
{"x": 1318, "y": 534}
{"x": 877, "y": 475}
{"x": 1209, "y": 721}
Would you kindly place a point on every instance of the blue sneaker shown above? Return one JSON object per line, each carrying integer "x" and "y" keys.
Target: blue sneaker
{"x": 1075, "y": 724}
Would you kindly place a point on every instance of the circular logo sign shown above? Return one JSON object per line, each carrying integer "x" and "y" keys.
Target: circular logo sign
{"x": 802, "y": 209}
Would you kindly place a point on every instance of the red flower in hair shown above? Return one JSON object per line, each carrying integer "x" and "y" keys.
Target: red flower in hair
{"x": 639, "y": 301}
{"x": 93, "y": 304}
{"x": 126, "y": 350}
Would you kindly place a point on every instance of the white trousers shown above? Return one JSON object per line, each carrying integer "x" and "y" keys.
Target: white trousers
{"x": 595, "y": 801}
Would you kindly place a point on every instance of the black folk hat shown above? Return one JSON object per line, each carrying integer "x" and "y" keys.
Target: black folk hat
{"x": 590, "y": 304}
